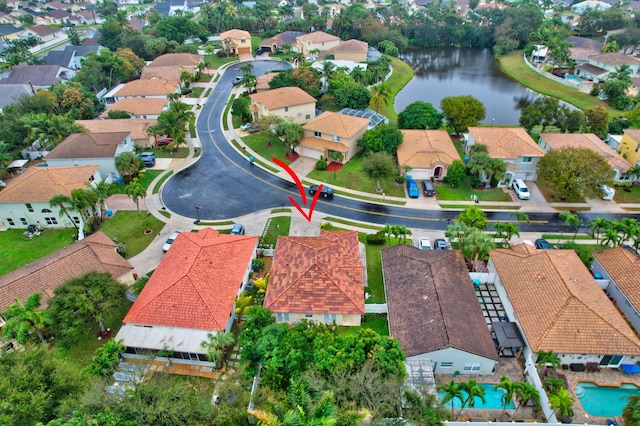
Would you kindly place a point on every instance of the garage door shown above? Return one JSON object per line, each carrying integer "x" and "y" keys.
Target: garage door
{"x": 311, "y": 153}
{"x": 244, "y": 50}
{"x": 419, "y": 174}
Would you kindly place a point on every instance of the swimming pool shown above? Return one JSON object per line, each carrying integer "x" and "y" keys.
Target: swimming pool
{"x": 573, "y": 78}
{"x": 604, "y": 401}
{"x": 493, "y": 397}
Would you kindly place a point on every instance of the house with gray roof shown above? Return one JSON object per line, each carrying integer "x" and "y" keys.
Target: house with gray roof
{"x": 71, "y": 57}
{"x": 12, "y": 92}
{"x": 598, "y": 67}
{"x": 38, "y": 76}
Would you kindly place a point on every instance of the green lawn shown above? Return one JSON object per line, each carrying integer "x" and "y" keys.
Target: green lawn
{"x": 375, "y": 286}
{"x": 277, "y": 226}
{"x": 627, "y": 195}
{"x": 350, "y": 176}
{"x": 17, "y": 251}
{"x": 197, "y": 91}
{"x": 402, "y": 74}
{"x": 552, "y": 196}
{"x": 464, "y": 191}
{"x": 145, "y": 178}
{"x": 181, "y": 152}
{"x": 513, "y": 65}
{"x": 128, "y": 227}
{"x": 376, "y": 322}
{"x": 214, "y": 62}
{"x": 156, "y": 188}
{"x": 259, "y": 143}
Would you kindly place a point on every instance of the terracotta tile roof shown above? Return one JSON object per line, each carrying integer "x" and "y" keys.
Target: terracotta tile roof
{"x": 317, "y": 37}
{"x": 89, "y": 145}
{"x": 282, "y": 97}
{"x": 176, "y": 59}
{"x": 95, "y": 253}
{"x": 196, "y": 282}
{"x": 317, "y": 275}
{"x": 287, "y": 37}
{"x": 235, "y": 34}
{"x": 426, "y": 149}
{"x": 153, "y": 87}
{"x": 559, "y": 305}
{"x": 615, "y": 59}
{"x": 138, "y": 106}
{"x": 333, "y": 123}
{"x": 586, "y": 140}
{"x": 40, "y": 184}
{"x": 506, "y": 142}
{"x": 624, "y": 268}
{"x": 633, "y": 134}
{"x": 262, "y": 82}
{"x": 137, "y": 127}
{"x": 352, "y": 46}
{"x": 169, "y": 72}
{"x": 322, "y": 144}
{"x": 432, "y": 304}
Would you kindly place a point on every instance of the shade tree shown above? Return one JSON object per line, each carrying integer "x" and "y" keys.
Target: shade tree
{"x": 461, "y": 112}
{"x": 378, "y": 165}
{"x": 419, "y": 115}
{"x": 382, "y": 138}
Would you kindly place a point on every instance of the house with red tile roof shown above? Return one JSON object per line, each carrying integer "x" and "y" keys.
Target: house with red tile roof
{"x": 139, "y": 107}
{"x": 154, "y": 88}
{"x": 317, "y": 278}
{"x": 136, "y": 127}
{"x": 288, "y": 103}
{"x": 236, "y": 42}
{"x": 191, "y": 293}
{"x": 170, "y": 65}
{"x": 351, "y": 50}
{"x": 319, "y": 40}
{"x": 97, "y": 253}
{"x": 332, "y": 132}
{"x": 428, "y": 153}
{"x": 558, "y": 306}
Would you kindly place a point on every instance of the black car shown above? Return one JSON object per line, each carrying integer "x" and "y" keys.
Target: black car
{"x": 440, "y": 244}
{"x": 543, "y": 244}
{"x": 325, "y": 192}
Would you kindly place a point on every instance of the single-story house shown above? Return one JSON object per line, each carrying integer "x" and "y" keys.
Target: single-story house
{"x": 598, "y": 67}
{"x": 629, "y": 146}
{"x": 332, "y": 132}
{"x": 236, "y": 42}
{"x": 139, "y": 107}
{"x": 97, "y": 253}
{"x": 276, "y": 42}
{"x": 434, "y": 312}
{"x": 191, "y": 293}
{"x": 83, "y": 149}
{"x": 25, "y": 200}
{"x": 8, "y": 31}
{"x": 11, "y": 93}
{"x": 136, "y": 127}
{"x": 156, "y": 88}
{"x": 559, "y": 307}
{"x": 319, "y": 278}
{"x": 38, "y": 76}
{"x": 350, "y": 50}
{"x": 56, "y": 17}
{"x": 170, "y": 65}
{"x": 582, "y": 48}
{"x": 620, "y": 268}
{"x": 71, "y": 57}
{"x": 553, "y": 141}
{"x": 428, "y": 153}
{"x": 319, "y": 40}
{"x": 286, "y": 102}
{"x": 44, "y": 32}
{"x": 513, "y": 145}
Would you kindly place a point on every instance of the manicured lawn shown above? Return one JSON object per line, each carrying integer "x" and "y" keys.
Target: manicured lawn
{"x": 145, "y": 178}
{"x": 197, "y": 91}
{"x": 375, "y": 286}
{"x": 627, "y": 195}
{"x": 277, "y": 226}
{"x": 513, "y": 65}
{"x": 182, "y": 152}
{"x": 402, "y": 74}
{"x": 17, "y": 251}
{"x": 128, "y": 227}
{"x": 552, "y": 196}
{"x": 259, "y": 143}
{"x": 376, "y": 322}
{"x": 214, "y": 62}
{"x": 156, "y": 188}
{"x": 351, "y": 176}
{"x": 464, "y": 191}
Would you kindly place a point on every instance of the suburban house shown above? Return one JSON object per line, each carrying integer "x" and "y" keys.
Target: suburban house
{"x": 11, "y": 93}
{"x": 318, "y": 278}
{"x": 136, "y": 127}
{"x": 44, "y": 32}
{"x": 275, "y": 43}
{"x": 582, "y": 48}
{"x": 286, "y": 102}
{"x": 552, "y": 141}
{"x": 434, "y": 312}
{"x": 351, "y": 50}
{"x": 191, "y": 293}
{"x": 156, "y": 88}
{"x": 332, "y": 132}
{"x": 428, "y": 153}
{"x": 38, "y": 76}
{"x": 319, "y": 40}
{"x": 262, "y": 82}
{"x": 513, "y": 145}
{"x": 71, "y": 57}
{"x": 629, "y": 146}
{"x": 139, "y": 107}
{"x": 236, "y": 42}
{"x": 8, "y": 31}
{"x": 581, "y": 7}
{"x": 559, "y": 307}
{"x": 619, "y": 268}
{"x": 25, "y": 200}
{"x": 97, "y": 253}
{"x": 598, "y": 67}
{"x": 84, "y": 149}
{"x": 88, "y": 17}
{"x": 170, "y": 65}
{"x": 56, "y": 17}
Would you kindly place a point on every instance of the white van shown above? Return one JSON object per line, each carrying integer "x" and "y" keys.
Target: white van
{"x": 521, "y": 189}
{"x": 608, "y": 193}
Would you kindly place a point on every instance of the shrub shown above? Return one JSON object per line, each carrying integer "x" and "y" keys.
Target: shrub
{"x": 137, "y": 286}
{"x": 595, "y": 91}
{"x": 400, "y": 178}
{"x": 122, "y": 249}
{"x": 376, "y": 239}
{"x": 321, "y": 165}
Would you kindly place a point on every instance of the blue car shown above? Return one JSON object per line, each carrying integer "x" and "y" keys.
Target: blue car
{"x": 412, "y": 189}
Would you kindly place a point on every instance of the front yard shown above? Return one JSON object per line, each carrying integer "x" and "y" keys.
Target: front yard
{"x": 554, "y": 197}
{"x": 464, "y": 191}
{"x": 627, "y": 195}
{"x": 260, "y": 141}
{"x": 129, "y": 228}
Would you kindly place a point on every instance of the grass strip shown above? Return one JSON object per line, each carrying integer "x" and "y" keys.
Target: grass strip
{"x": 156, "y": 188}
{"x": 402, "y": 74}
{"x": 192, "y": 127}
{"x": 225, "y": 124}
{"x": 165, "y": 213}
{"x": 358, "y": 225}
{"x": 566, "y": 236}
{"x": 223, "y": 223}
{"x": 282, "y": 210}
{"x": 126, "y": 226}
{"x": 463, "y": 206}
{"x": 572, "y": 209}
{"x": 277, "y": 226}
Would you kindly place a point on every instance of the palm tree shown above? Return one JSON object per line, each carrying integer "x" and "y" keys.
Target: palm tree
{"x": 548, "y": 359}
{"x": 610, "y": 238}
{"x": 103, "y": 363}
{"x": 521, "y": 217}
{"x": 249, "y": 81}
{"x": 525, "y": 391}
{"x": 80, "y": 203}
{"x": 552, "y": 383}
{"x": 631, "y": 412}
{"x": 476, "y": 244}
{"x": 173, "y": 122}
{"x": 136, "y": 191}
{"x": 473, "y": 390}
{"x": 291, "y": 133}
{"x": 246, "y": 69}
{"x": 243, "y": 302}
{"x": 634, "y": 172}
{"x": 570, "y": 219}
{"x": 509, "y": 389}
{"x": 186, "y": 78}
{"x": 23, "y": 320}
{"x": 127, "y": 164}
{"x": 452, "y": 390}
{"x": 626, "y": 227}
{"x": 380, "y": 95}
{"x": 387, "y": 232}
{"x": 216, "y": 345}
{"x": 61, "y": 201}
{"x": 102, "y": 192}
{"x": 597, "y": 225}
{"x": 562, "y": 402}
{"x": 403, "y": 231}
{"x": 328, "y": 69}
{"x": 505, "y": 230}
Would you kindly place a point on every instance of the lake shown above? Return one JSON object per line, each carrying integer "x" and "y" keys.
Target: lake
{"x": 441, "y": 72}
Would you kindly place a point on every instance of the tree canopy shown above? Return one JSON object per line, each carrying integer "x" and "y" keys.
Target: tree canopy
{"x": 462, "y": 111}
{"x": 419, "y": 115}
{"x": 381, "y": 138}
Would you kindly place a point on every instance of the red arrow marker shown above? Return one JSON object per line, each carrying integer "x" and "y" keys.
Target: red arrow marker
{"x": 296, "y": 179}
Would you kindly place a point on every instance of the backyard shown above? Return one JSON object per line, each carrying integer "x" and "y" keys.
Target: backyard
{"x": 375, "y": 282}
{"x": 17, "y": 251}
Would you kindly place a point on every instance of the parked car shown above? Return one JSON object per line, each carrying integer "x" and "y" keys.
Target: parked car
{"x": 542, "y": 244}
{"x": 245, "y": 126}
{"x": 412, "y": 189}
{"x": 608, "y": 193}
{"x": 424, "y": 243}
{"x": 148, "y": 159}
{"x": 254, "y": 128}
{"x": 164, "y": 142}
{"x": 440, "y": 244}
{"x": 325, "y": 192}
{"x": 427, "y": 188}
{"x": 237, "y": 229}
{"x": 236, "y": 81}
{"x": 170, "y": 240}
{"x": 521, "y": 189}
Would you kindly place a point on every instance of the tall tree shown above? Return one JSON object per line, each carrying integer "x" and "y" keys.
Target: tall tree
{"x": 216, "y": 345}
{"x": 562, "y": 402}
{"x": 136, "y": 191}
{"x": 509, "y": 389}
{"x": 473, "y": 391}
{"x": 380, "y": 95}
{"x": 452, "y": 390}
{"x": 462, "y": 111}
{"x": 547, "y": 359}
{"x": 378, "y": 165}
{"x": 474, "y": 217}
{"x": 597, "y": 118}
{"x": 505, "y": 230}
{"x": 23, "y": 320}
{"x": 381, "y": 138}
{"x": 526, "y": 392}
{"x": 419, "y": 115}
{"x": 127, "y": 164}
{"x": 106, "y": 358}
{"x": 63, "y": 202}
{"x": 102, "y": 192}
{"x": 290, "y": 133}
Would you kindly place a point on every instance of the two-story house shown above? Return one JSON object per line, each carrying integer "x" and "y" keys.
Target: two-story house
{"x": 155, "y": 88}
{"x": 629, "y": 146}
{"x": 236, "y": 42}
{"x": 286, "y": 102}
{"x": 318, "y": 41}
{"x": 332, "y": 131}
{"x": 351, "y": 50}
{"x": 427, "y": 153}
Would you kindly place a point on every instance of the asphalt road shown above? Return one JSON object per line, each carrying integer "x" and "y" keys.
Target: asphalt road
{"x": 223, "y": 185}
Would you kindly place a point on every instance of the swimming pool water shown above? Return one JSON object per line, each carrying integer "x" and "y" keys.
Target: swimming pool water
{"x": 493, "y": 397}
{"x": 604, "y": 401}
{"x": 573, "y": 78}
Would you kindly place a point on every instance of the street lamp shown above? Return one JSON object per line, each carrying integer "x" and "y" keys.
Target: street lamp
{"x": 197, "y": 221}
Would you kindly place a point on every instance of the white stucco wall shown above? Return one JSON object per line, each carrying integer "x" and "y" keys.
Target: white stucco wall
{"x": 464, "y": 362}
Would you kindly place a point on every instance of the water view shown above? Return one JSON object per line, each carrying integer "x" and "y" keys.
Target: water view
{"x": 441, "y": 72}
